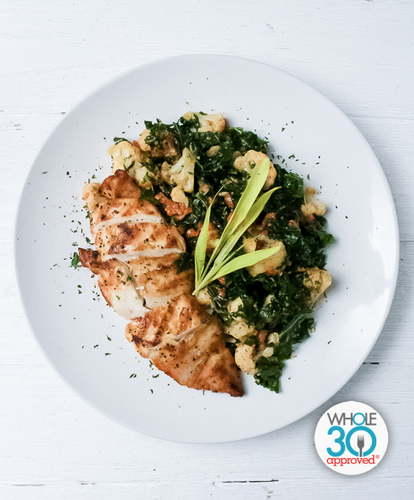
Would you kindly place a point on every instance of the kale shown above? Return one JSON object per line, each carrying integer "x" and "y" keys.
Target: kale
{"x": 236, "y": 184}
{"x": 199, "y": 204}
{"x": 270, "y": 369}
{"x": 158, "y": 132}
{"x": 290, "y": 196}
{"x": 184, "y": 262}
{"x": 278, "y": 303}
{"x": 210, "y": 168}
{"x": 245, "y": 140}
{"x": 305, "y": 242}
{"x": 215, "y": 167}
{"x": 149, "y": 195}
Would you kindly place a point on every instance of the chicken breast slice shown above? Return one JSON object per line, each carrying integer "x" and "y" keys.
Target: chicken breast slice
{"x": 130, "y": 240}
{"x": 116, "y": 284}
{"x": 186, "y": 343}
{"x": 157, "y": 280}
{"x": 152, "y": 281}
{"x": 123, "y": 210}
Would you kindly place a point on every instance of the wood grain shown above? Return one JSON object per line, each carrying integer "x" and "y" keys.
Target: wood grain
{"x": 358, "y": 54}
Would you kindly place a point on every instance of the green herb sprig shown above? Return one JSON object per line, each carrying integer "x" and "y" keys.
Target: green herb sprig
{"x": 223, "y": 260}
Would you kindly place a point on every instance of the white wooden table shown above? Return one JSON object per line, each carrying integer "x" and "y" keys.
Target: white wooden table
{"x": 360, "y": 55}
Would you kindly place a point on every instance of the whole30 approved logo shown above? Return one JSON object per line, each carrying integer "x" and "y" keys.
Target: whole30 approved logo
{"x": 351, "y": 438}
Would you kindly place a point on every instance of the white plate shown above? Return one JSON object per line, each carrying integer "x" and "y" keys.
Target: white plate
{"x": 297, "y": 120}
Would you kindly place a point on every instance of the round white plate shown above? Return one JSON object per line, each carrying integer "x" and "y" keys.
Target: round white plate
{"x": 73, "y": 328}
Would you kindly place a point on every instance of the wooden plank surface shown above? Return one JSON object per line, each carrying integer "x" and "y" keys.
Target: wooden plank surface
{"x": 357, "y": 53}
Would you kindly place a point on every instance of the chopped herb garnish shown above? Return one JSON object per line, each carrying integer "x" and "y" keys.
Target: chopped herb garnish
{"x": 75, "y": 262}
{"x": 117, "y": 140}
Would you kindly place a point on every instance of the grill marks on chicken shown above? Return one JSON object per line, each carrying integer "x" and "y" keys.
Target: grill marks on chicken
{"x": 134, "y": 258}
{"x": 136, "y": 249}
{"x": 118, "y": 211}
{"x": 116, "y": 285}
{"x": 126, "y": 240}
{"x": 186, "y": 343}
{"x": 157, "y": 280}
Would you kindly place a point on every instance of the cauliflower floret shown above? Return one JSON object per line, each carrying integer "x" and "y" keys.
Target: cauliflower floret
{"x": 178, "y": 195}
{"x": 317, "y": 281}
{"x": 312, "y": 205}
{"x": 145, "y": 178}
{"x": 182, "y": 172}
{"x": 245, "y": 358}
{"x": 249, "y": 245}
{"x": 166, "y": 146}
{"x": 273, "y": 338}
{"x": 250, "y": 160}
{"x": 267, "y": 352}
{"x": 212, "y": 238}
{"x": 211, "y": 123}
{"x": 125, "y": 156}
{"x": 238, "y": 327}
{"x": 90, "y": 194}
{"x": 208, "y": 123}
{"x": 141, "y": 140}
{"x": 213, "y": 151}
{"x": 234, "y": 305}
{"x": 270, "y": 264}
{"x": 203, "y": 297}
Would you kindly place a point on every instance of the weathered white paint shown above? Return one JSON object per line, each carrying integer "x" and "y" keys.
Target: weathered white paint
{"x": 359, "y": 54}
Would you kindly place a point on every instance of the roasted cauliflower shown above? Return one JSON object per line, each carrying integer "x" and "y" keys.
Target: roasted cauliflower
{"x": 271, "y": 264}
{"x": 208, "y": 123}
{"x": 245, "y": 358}
{"x": 252, "y": 158}
{"x": 312, "y": 205}
{"x": 182, "y": 172}
{"x": 316, "y": 281}
{"x": 130, "y": 157}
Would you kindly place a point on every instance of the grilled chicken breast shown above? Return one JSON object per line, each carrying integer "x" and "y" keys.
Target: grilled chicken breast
{"x": 133, "y": 287}
{"x": 134, "y": 258}
{"x": 135, "y": 248}
{"x": 187, "y": 343}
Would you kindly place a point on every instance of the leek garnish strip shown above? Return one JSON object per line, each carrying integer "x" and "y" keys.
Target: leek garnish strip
{"x": 246, "y": 212}
{"x": 253, "y": 214}
{"x": 201, "y": 247}
{"x": 253, "y": 188}
{"x": 246, "y": 260}
{"x": 226, "y": 253}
